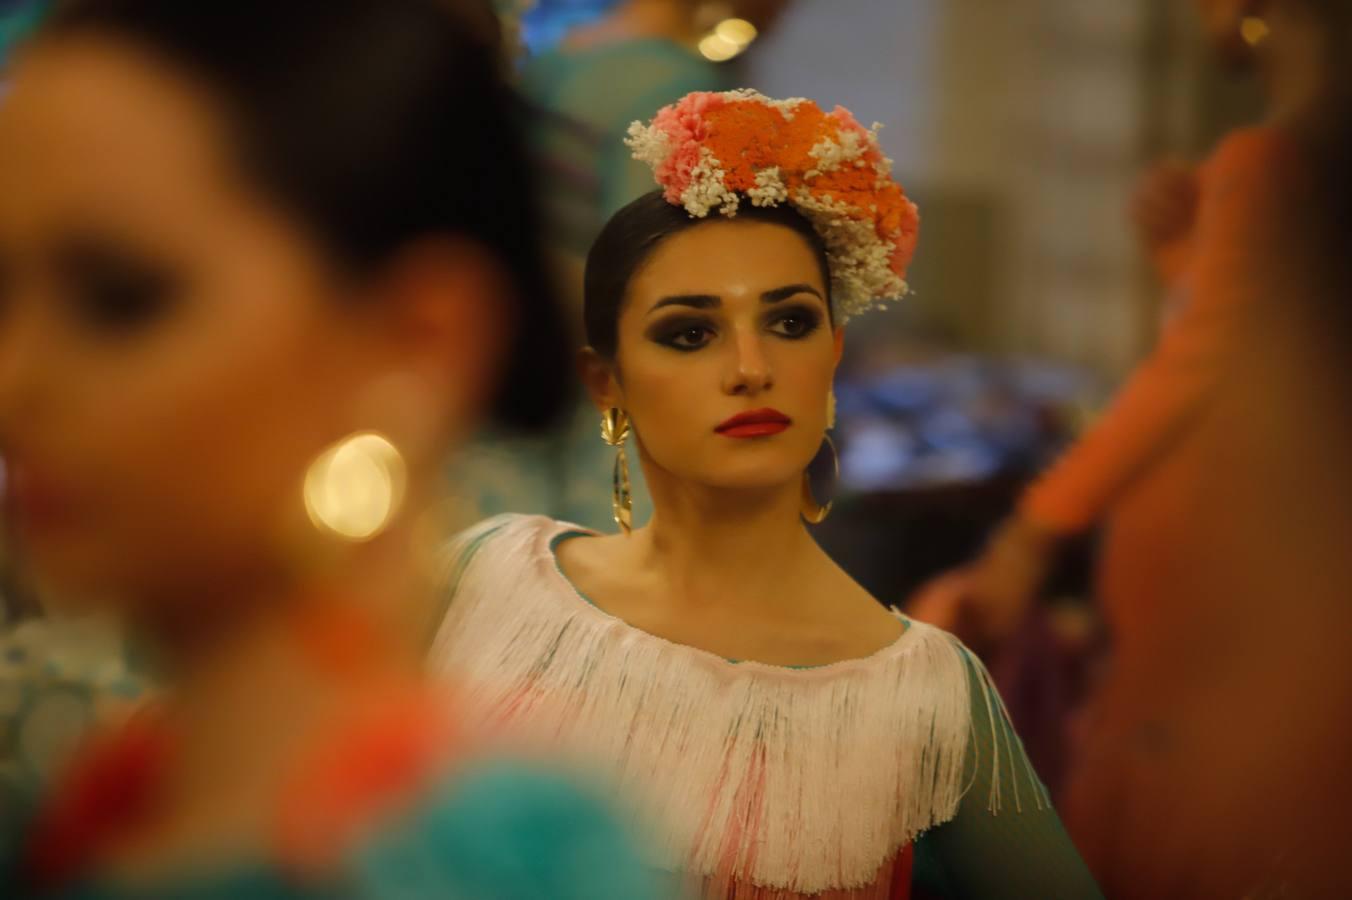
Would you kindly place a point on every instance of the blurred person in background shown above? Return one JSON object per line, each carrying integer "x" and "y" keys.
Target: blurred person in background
{"x": 797, "y": 739}
{"x": 1276, "y": 572}
{"x": 1151, "y": 469}
{"x": 1246, "y": 792}
{"x": 240, "y": 329}
{"x": 584, "y": 94}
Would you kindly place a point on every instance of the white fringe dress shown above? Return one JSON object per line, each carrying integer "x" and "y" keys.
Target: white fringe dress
{"x": 751, "y": 781}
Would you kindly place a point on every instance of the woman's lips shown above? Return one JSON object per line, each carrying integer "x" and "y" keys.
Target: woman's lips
{"x": 754, "y": 423}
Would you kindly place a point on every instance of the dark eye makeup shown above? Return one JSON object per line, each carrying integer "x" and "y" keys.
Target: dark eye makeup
{"x": 795, "y": 322}
{"x": 112, "y": 289}
{"x": 689, "y": 333}
{"x": 684, "y": 333}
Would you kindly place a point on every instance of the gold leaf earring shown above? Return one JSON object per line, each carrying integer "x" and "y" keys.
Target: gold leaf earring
{"x": 815, "y": 513}
{"x": 615, "y": 431}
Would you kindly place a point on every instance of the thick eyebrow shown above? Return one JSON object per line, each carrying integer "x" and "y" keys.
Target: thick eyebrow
{"x": 780, "y": 294}
{"x": 694, "y": 301}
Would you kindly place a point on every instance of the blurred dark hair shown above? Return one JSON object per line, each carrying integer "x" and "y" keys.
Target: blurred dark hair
{"x": 375, "y": 123}
{"x": 631, "y": 236}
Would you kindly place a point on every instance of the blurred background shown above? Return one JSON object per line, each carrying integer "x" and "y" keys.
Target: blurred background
{"x": 1022, "y": 131}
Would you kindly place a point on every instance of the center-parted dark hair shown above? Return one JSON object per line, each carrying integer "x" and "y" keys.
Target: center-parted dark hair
{"x": 631, "y": 236}
{"x": 375, "y": 123}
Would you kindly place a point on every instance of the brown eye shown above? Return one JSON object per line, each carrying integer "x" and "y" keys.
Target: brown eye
{"x": 795, "y": 324}
{"x": 684, "y": 335}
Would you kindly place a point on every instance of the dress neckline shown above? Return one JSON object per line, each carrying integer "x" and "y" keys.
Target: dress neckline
{"x": 563, "y": 531}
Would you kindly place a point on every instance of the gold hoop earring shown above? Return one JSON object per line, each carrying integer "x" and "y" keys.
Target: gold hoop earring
{"x": 615, "y": 430}
{"x": 813, "y": 512}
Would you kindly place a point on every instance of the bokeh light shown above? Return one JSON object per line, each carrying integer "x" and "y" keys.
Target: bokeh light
{"x": 355, "y": 488}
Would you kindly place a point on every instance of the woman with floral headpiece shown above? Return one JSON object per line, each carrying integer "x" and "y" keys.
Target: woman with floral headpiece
{"x": 792, "y": 736}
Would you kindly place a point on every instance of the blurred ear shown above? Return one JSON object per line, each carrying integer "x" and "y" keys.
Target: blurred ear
{"x": 446, "y": 320}
{"x": 598, "y": 376}
{"x": 839, "y": 338}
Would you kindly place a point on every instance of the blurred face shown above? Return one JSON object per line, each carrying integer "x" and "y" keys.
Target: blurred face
{"x": 726, "y": 355}
{"x": 173, "y": 352}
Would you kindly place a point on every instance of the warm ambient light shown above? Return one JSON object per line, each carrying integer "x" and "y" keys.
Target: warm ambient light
{"x": 736, "y": 31}
{"x": 729, "y": 38}
{"x": 1254, "y": 30}
{"x": 354, "y": 489}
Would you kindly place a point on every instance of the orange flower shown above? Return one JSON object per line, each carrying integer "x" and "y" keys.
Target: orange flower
{"x": 714, "y": 151}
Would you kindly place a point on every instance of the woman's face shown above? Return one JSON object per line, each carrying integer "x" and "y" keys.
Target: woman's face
{"x": 173, "y": 351}
{"x": 725, "y": 320}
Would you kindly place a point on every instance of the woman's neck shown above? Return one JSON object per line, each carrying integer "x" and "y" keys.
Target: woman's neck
{"x": 715, "y": 545}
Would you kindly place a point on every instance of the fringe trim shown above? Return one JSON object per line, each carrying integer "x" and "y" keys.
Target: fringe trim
{"x": 798, "y": 780}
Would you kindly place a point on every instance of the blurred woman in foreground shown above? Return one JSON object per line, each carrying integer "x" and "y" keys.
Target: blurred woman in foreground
{"x": 260, "y": 266}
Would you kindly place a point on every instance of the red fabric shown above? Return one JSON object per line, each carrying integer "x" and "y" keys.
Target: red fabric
{"x": 901, "y": 875}
{"x": 109, "y": 789}
{"x": 387, "y": 746}
{"x": 360, "y": 772}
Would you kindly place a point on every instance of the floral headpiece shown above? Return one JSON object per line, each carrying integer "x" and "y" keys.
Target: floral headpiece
{"x": 710, "y": 151}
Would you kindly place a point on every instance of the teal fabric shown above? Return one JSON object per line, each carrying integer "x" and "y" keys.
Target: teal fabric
{"x": 587, "y": 100}
{"x": 17, "y": 21}
{"x": 500, "y": 831}
{"x": 1018, "y": 852}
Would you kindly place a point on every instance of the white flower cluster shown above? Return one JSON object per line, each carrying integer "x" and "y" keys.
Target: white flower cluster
{"x": 860, "y": 260}
{"x": 770, "y": 189}
{"x": 861, "y": 273}
{"x": 708, "y": 190}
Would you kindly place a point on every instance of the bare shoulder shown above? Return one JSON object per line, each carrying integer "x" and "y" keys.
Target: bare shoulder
{"x": 589, "y": 558}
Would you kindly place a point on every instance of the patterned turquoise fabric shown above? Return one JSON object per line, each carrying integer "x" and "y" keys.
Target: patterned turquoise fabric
{"x": 57, "y": 679}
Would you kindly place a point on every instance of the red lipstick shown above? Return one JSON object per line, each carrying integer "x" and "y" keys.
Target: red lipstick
{"x": 755, "y": 423}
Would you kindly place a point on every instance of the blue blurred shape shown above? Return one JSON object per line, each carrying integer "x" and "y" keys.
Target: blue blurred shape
{"x": 545, "y": 24}
{"x": 17, "y": 18}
